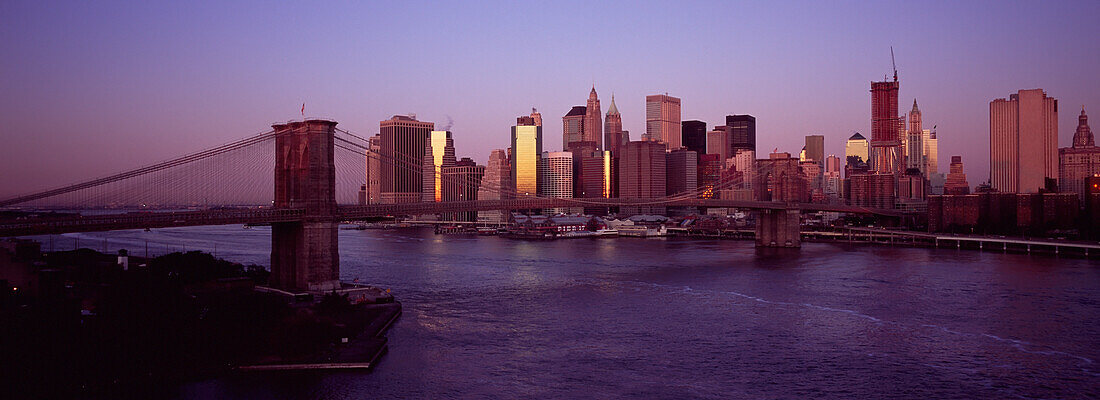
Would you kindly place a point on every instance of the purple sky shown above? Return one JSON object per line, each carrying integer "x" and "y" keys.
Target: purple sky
{"x": 91, "y": 88}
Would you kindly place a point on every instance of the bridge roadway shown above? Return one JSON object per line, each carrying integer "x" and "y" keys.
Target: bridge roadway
{"x": 143, "y": 220}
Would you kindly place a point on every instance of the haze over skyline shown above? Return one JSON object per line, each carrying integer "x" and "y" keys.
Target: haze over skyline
{"x": 93, "y": 89}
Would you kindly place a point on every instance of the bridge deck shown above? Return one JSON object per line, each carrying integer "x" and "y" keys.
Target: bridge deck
{"x": 143, "y": 220}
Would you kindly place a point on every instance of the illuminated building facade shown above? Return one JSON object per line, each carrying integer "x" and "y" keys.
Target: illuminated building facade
{"x": 857, "y": 145}
{"x": 439, "y": 153}
{"x": 526, "y": 151}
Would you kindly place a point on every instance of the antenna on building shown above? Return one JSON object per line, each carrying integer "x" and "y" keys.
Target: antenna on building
{"x": 895, "y": 64}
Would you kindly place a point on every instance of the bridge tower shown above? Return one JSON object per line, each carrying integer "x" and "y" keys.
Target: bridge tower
{"x": 305, "y": 254}
{"x": 778, "y": 228}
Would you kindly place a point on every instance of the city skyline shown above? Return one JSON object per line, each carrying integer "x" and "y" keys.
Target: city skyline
{"x": 107, "y": 99}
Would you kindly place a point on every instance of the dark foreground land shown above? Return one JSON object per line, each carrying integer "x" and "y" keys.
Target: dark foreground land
{"x": 76, "y": 324}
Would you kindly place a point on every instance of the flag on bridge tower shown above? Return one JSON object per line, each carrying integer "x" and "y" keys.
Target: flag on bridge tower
{"x": 303, "y": 109}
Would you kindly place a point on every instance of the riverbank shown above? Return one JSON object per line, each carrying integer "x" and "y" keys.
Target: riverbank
{"x": 86, "y": 324}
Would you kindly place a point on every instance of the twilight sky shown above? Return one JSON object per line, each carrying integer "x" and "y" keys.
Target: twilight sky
{"x": 92, "y": 88}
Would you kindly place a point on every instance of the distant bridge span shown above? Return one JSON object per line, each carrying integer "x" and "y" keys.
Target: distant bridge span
{"x": 143, "y": 220}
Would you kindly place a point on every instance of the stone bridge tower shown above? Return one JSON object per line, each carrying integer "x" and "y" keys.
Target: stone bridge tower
{"x": 305, "y": 254}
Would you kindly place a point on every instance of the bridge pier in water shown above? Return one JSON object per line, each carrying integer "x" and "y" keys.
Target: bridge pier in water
{"x": 305, "y": 254}
{"x": 778, "y": 228}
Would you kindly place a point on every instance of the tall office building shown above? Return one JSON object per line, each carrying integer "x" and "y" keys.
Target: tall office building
{"x": 857, "y": 145}
{"x": 886, "y": 152}
{"x": 526, "y": 151}
{"x": 744, "y": 161}
{"x": 613, "y": 129}
{"x": 372, "y": 190}
{"x": 589, "y": 176}
{"x": 815, "y": 148}
{"x": 832, "y": 177}
{"x": 931, "y": 152}
{"x": 718, "y": 142}
{"x": 593, "y": 126}
{"x": 662, "y": 120}
{"x": 1079, "y": 161}
{"x": 439, "y": 153}
{"x": 403, "y": 140}
{"x": 461, "y": 182}
{"x": 693, "y": 134}
{"x": 572, "y": 127}
{"x": 742, "y": 131}
{"x": 681, "y": 171}
{"x": 496, "y": 184}
{"x": 556, "y": 175}
{"x": 642, "y": 175}
{"x": 914, "y": 142}
{"x": 1023, "y": 142}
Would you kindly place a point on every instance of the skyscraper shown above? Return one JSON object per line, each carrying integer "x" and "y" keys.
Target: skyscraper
{"x": 572, "y": 127}
{"x": 914, "y": 143}
{"x": 593, "y": 126}
{"x": 744, "y": 161}
{"x": 496, "y": 184}
{"x": 461, "y": 182}
{"x": 886, "y": 153}
{"x": 642, "y": 174}
{"x": 742, "y": 131}
{"x": 931, "y": 152}
{"x": 856, "y": 146}
{"x": 372, "y": 190}
{"x": 832, "y": 177}
{"x": 439, "y": 153}
{"x": 589, "y": 176}
{"x": 815, "y": 148}
{"x": 526, "y": 151}
{"x": 694, "y": 136}
{"x": 662, "y": 120}
{"x": 1023, "y": 142}
{"x": 403, "y": 141}
{"x": 1079, "y": 161}
{"x": 682, "y": 169}
{"x": 556, "y": 175}
{"x": 718, "y": 142}
{"x": 613, "y": 129}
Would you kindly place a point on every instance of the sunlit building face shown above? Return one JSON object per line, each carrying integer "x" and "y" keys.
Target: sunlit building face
{"x": 526, "y": 150}
{"x": 438, "y": 142}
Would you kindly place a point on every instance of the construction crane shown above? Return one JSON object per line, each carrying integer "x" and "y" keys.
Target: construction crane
{"x": 894, "y": 63}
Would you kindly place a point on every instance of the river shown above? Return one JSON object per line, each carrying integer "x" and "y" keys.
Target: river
{"x": 488, "y": 317}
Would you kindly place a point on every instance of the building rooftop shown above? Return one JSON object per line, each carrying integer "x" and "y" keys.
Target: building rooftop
{"x": 577, "y": 110}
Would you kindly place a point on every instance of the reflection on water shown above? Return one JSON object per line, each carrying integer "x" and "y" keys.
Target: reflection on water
{"x": 492, "y": 317}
